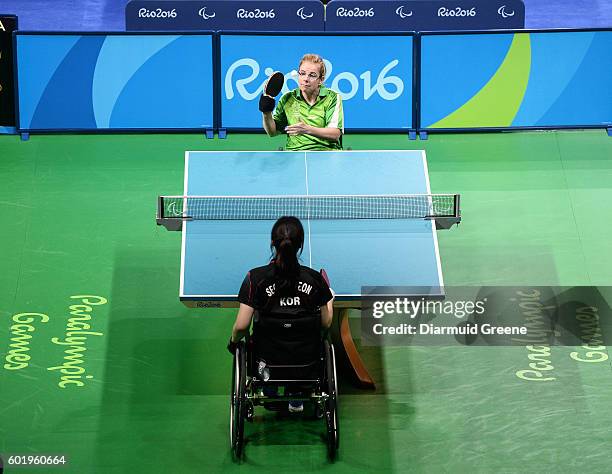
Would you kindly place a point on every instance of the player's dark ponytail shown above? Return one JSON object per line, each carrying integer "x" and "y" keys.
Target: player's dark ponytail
{"x": 287, "y": 244}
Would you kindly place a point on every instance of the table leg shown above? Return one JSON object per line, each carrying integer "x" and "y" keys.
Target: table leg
{"x": 343, "y": 342}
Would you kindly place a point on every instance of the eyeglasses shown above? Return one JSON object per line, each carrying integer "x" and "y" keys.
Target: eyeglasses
{"x": 311, "y": 75}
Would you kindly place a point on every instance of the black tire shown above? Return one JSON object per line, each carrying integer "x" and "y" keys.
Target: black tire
{"x": 238, "y": 402}
{"x": 331, "y": 408}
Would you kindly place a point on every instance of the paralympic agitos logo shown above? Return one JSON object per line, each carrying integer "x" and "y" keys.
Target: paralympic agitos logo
{"x": 504, "y": 14}
{"x": 207, "y": 16}
{"x": 399, "y": 11}
{"x": 302, "y": 15}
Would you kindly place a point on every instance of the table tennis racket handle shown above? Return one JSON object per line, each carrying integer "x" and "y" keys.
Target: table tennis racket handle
{"x": 325, "y": 277}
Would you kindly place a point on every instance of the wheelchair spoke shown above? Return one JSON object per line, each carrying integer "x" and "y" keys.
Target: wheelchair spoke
{"x": 237, "y": 404}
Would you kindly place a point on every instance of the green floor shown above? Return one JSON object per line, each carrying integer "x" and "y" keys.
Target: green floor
{"x": 77, "y": 218}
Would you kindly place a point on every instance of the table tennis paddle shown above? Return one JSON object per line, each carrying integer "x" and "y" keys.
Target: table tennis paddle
{"x": 272, "y": 88}
{"x": 274, "y": 84}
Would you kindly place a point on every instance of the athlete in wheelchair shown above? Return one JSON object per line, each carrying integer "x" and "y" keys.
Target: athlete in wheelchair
{"x": 286, "y": 361}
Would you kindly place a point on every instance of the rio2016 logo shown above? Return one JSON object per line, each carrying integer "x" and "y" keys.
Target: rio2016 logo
{"x": 443, "y": 11}
{"x": 354, "y": 12}
{"x": 255, "y": 14}
{"x": 158, "y": 13}
{"x": 348, "y": 84}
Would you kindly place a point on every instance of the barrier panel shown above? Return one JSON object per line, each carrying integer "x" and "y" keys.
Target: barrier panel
{"x": 8, "y": 24}
{"x": 239, "y": 15}
{"x": 539, "y": 79}
{"x": 106, "y": 81}
{"x": 194, "y": 81}
{"x": 397, "y": 15}
{"x": 373, "y": 74}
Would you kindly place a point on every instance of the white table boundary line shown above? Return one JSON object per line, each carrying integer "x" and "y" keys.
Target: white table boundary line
{"x": 185, "y": 224}
{"x": 310, "y": 151}
{"x": 308, "y": 219}
{"x": 433, "y": 222}
{"x": 338, "y": 295}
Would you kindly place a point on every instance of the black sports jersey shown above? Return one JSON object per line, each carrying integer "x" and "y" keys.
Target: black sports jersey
{"x": 287, "y": 326}
{"x": 259, "y": 291}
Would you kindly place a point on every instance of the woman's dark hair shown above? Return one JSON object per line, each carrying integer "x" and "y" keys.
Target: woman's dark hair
{"x": 287, "y": 244}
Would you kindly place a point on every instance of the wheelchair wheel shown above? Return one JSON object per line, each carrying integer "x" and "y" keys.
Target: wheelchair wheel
{"x": 238, "y": 401}
{"x": 331, "y": 408}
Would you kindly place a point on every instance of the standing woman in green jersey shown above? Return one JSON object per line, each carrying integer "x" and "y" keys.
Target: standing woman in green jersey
{"x": 311, "y": 115}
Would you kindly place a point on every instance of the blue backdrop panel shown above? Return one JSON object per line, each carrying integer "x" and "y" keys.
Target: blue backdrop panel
{"x": 570, "y": 81}
{"x": 114, "y": 82}
{"x": 372, "y": 73}
{"x": 418, "y": 15}
{"x": 237, "y": 15}
{"x": 505, "y": 80}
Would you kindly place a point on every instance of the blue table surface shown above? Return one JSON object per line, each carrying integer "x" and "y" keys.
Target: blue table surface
{"x": 366, "y": 252}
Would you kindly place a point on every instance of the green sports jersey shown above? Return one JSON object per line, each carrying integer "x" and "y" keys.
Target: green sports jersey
{"x": 326, "y": 112}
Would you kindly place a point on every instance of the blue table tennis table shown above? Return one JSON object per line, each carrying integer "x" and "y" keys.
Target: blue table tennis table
{"x": 216, "y": 254}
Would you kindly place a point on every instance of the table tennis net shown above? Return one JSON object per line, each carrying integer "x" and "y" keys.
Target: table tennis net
{"x": 397, "y": 206}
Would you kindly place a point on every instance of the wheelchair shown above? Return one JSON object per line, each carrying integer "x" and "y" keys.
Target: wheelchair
{"x": 315, "y": 381}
